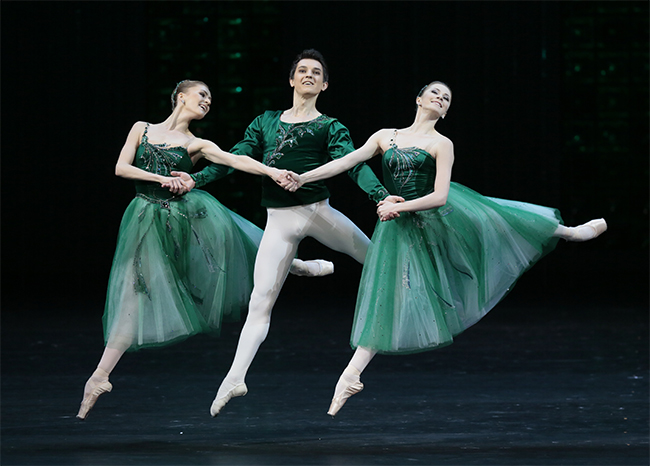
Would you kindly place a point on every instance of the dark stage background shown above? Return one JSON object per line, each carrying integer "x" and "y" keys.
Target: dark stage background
{"x": 550, "y": 106}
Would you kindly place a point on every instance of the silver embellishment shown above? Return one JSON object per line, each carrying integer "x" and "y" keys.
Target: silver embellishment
{"x": 289, "y": 137}
{"x": 405, "y": 166}
{"x": 159, "y": 158}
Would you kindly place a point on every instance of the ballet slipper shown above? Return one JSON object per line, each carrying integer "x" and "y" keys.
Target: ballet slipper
{"x": 587, "y": 231}
{"x": 93, "y": 390}
{"x": 339, "y": 401}
{"x": 218, "y": 404}
{"x": 325, "y": 268}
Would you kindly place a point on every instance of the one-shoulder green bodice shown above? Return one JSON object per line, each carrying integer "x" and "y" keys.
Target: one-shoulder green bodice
{"x": 409, "y": 172}
{"x": 160, "y": 159}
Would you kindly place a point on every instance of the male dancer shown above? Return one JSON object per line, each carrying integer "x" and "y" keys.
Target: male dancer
{"x": 298, "y": 139}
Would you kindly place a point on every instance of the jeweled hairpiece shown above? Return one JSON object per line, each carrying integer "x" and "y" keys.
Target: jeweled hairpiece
{"x": 175, "y": 93}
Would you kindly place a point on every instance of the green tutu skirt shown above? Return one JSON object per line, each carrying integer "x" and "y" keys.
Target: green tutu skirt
{"x": 181, "y": 267}
{"x": 430, "y": 275}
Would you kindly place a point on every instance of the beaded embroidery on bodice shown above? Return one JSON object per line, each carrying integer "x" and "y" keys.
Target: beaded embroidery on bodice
{"x": 408, "y": 167}
{"x": 160, "y": 159}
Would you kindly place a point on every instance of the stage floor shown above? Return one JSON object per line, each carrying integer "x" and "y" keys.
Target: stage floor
{"x": 554, "y": 388}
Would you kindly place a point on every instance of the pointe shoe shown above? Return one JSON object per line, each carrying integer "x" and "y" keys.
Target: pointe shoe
{"x": 339, "y": 401}
{"x": 589, "y": 230}
{"x": 218, "y": 404}
{"x": 325, "y": 268}
{"x": 89, "y": 401}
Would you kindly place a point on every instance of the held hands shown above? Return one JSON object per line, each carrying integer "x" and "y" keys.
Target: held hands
{"x": 280, "y": 177}
{"x": 387, "y": 210}
{"x": 290, "y": 181}
{"x": 181, "y": 183}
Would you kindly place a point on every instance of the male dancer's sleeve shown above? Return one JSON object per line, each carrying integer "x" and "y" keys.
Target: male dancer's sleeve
{"x": 250, "y": 146}
{"x": 340, "y": 144}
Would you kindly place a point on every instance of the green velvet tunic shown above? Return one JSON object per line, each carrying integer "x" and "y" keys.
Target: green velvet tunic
{"x": 298, "y": 147}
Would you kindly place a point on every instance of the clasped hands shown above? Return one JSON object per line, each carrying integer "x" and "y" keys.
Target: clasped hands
{"x": 179, "y": 183}
{"x": 289, "y": 180}
{"x": 386, "y": 209}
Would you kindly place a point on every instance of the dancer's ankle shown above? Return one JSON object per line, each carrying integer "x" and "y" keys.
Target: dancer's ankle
{"x": 100, "y": 374}
{"x": 226, "y": 385}
{"x": 351, "y": 372}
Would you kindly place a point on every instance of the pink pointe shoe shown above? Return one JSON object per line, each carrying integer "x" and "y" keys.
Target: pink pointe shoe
{"x": 218, "y": 404}
{"x": 339, "y": 401}
{"x": 89, "y": 401}
{"x": 587, "y": 231}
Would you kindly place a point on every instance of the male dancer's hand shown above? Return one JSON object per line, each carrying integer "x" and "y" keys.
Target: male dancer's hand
{"x": 291, "y": 181}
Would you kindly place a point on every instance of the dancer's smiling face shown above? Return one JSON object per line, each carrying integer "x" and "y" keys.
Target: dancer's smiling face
{"x": 308, "y": 77}
{"x": 435, "y": 97}
{"x": 197, "y": 99}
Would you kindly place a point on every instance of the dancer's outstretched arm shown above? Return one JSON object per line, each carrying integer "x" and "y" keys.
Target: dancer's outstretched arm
{"x": 330, "y": 169}
{"x": 214, "y": 153}
{"x": 251, "y": 145}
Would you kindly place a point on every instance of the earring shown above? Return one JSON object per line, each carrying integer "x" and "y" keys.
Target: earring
{"x": 182, "y": 101}
{"x": 443, "y": 116}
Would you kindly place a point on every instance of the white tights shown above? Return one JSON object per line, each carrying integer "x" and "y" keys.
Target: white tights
{"x": 285, "y": 228}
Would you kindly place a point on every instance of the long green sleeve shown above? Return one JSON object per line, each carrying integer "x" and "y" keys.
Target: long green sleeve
{"x": 339, "y": 145}
{"x": 211, "y": 173}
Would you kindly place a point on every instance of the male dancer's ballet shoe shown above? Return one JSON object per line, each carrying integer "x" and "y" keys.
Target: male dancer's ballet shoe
{"x": 89, "y": 401}
{"x": 325, "y": 268}
{"x": 339, "y": 401}
{"x": 218, "y": 404}
{"x": 587, "y": 231}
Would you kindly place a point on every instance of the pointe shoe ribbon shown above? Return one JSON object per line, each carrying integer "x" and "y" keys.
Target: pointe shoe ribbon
{"x": 339, "y": 401}
{"x": 218, "y": 404}
{"x": 88, "y": 402}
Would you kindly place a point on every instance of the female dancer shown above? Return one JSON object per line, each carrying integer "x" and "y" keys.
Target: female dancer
{"x": 448, "y": 257}
{"x": 183, "y": 263}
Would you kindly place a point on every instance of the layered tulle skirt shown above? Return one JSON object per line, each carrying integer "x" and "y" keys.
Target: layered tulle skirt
{"x": 430, "y": 275}
{"x": 181, "y": 267}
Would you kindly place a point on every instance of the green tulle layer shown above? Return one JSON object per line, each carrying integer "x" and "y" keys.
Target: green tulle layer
{"x": 180, "y": 268}
{"x": 430, "y": 275}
